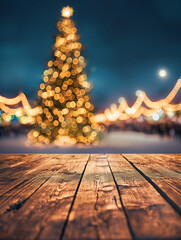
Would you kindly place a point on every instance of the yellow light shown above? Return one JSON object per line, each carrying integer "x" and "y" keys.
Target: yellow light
{"x": 45, "y": 79}
{"x": 43, "y": 125}
{"x": 36, "y": 133}
{"x": 77, "y": 53}
{"x": 65, "y": 67}
{"x": 50, "y": 71}
{"x": 65, "y": 111}
{"x": 68, "y": 92}
{"x": 55, "y": 123}
{"x": 75, "y": 61}
{"x": 73, "y": 72}
{"x": 57, "y": 89}
{"x": 42, "y": 86}
{"x": 62, "y": 99}
{"x": 61, "y": 131}
{"x": 69, "y": 60}
{"x": 63, "y": 124}
{"x": 57, "y": 97}
{"x": 56, "y": 63}
{"x": 62, "y": 75}
{"x": 64, "y": 87}
{"x": 94, "y": 134}
{"x": 50, "y": 63}
{"x": 61, "y": 119}
{"x": 63, "y": 57}
{"x": 19, "y": 112}
{"x": 40, "y": 93}
{"x": 79, "y": 119}
{"x": 44, "y": 95}
{"x": 87, "y": 105}
{"x": 57, "y": 53}
{"x": 86, "y": 129}
{"x": 67, "y": 74}
{"x": 81, "y": 59}
{"x": 72, "y": 104}
{"x": 60, "y": 41}
{"x": 67, "y": 12}
{"x": 55, "y": 74}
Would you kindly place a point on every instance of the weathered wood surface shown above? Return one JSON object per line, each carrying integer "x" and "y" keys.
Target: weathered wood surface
{"x": 163, "y": 170}
{"x": 67, "y": 196}
{"x": 97, "y": 212}
{"x": 142, "y": 202}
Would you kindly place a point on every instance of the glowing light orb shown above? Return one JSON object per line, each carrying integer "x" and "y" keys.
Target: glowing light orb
{"x": 121, "y": 100}
{"x": 138, "y": 93}
{"x": 67, "y": 12}
{"x": 162, "y": 73}
{"x": 155, "y": 117}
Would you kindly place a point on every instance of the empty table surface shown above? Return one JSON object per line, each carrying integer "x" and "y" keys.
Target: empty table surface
{"x": 83, "y": 196}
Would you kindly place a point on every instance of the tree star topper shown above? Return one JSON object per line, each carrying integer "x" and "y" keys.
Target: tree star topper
{"x": 67, "y": 12}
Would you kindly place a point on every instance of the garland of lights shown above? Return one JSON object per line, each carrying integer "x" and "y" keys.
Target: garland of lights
{"x": 121, "y": 112}
{"x": 26, "y": 113}
{"x": 124, "y": 112}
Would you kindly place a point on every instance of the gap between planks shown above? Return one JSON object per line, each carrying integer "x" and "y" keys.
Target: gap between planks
{"x": 150, "y": 216}
{"x": 156, "y": 178}
{"x": 108, "y": 190}
{"x": 55, "y": 195}
{"x": 97, "y": 212}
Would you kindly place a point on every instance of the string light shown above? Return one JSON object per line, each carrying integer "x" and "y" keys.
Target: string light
{"x": 26, "y": 113}
{"x": 124, "y": 112}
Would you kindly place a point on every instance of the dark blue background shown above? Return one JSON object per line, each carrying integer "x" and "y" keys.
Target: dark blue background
{"x": 126, "y": 41}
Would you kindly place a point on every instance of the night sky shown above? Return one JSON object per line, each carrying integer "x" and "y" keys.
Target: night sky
{"x": 126, "y": 43}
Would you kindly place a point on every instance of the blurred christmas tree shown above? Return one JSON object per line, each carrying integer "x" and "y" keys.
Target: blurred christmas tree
{"x": 66, "y": 115}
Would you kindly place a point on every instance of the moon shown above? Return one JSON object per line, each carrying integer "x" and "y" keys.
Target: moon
{"x": 162, "y": 73}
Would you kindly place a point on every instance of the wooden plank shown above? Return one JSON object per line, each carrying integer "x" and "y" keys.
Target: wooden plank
{"x": 32, "y": 164}
{"x": 7, "y": 164}
{"x": 29, "y": 180}
{"x": 97, "y": 212}
{"x": 44, "y": 214}
{"x": 164, "y": 170}
{"x": 149, "y": 215}
{"x": 16, "y": 165}
{"x": 11, "y": 160}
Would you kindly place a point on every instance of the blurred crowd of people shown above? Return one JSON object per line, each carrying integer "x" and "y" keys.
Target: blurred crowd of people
{"x": 14, "y": 129}
{"x": 166, "y": 128}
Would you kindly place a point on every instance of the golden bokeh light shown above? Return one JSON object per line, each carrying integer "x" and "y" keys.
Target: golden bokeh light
{"x": 67, "y": 12}
{"x": 124, "y": 112}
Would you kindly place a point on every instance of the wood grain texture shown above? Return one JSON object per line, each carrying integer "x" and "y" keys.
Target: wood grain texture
{"x": 97, "y": 212}
{"x": 43, "y": 215}
{"x": 26, "y": 178}
{"x": 164, "y": 170}
{"x": 150, "y": 216}
{"x": 12, "y": 167}
{"x": 82, "y": 196}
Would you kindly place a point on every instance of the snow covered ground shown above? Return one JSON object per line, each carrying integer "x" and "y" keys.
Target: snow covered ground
{"x": 114, "y": 142}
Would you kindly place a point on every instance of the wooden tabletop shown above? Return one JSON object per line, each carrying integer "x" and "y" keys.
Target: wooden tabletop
{"x": 112, "y": 196}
